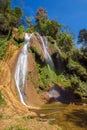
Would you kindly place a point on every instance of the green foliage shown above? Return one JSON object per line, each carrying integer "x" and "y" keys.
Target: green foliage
{"x": 45, "y": 26}
{"x": 79, "y": 86}
{"x": 50, "y": 39}
{"x": 16, "y": 43}
{"x": 76, "y": 65}
{"x": 46, "y": 76}
{"x": 82, "y": 37}
{"x": 4, "y": 5}
{"x": 83, "y": 89}
{"x": 1, "y": 115}
{"x": 19, "y": 35}
{"x": 3, "y": 47}
{"x": 84, "y": 50}
{"x": 17, "y": 127}
{"x": 9, "y": 18}
{"x": 2, "y": 101}
{"x": 64, "y": 41}
{"x": 20, "y": 128}
{"x": 74, "y": 82}
{"x": 41, "y": 16}
{"x": 18, "y": 12}
{"x": 28, "y": 22}
{"x": 35, "y": 50}
{"x": 21, "y": 29}
{"x": 50, "y": 28}
{"x": 14, "y": 19}
{"x": 4, "y": 25}
{"x": 80, "y": 57}
{"x": 76, "y": 68}
{"x": 77, "y": 55}
{"x": 64, "y": 80}
{"x": 32, "y": 28}
{"x": 10, "y": 128}
{"x": 28, "y": 117}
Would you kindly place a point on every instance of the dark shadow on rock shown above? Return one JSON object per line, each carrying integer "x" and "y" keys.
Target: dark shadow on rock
{"x": 78, "y": 117}
{"x": 37, "y": 57}
{"x": 59, "y": 63}
{"x": 62, "y": 95}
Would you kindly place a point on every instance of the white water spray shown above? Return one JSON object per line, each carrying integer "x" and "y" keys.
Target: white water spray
{"x": 21, "y": 69}
{"x": 47, "y": 56}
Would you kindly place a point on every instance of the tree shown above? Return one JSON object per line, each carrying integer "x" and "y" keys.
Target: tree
{"x": 65, "y": 41}
{"x": 9, "y": 18}
{"x": 50, "y": 28}
{"x": 82, "y": 37}
{"x": 4, "y": 5}
{"x": 18, "y": 12}
{"x": 41, "y": 17}
{"x": 46, "y": 26}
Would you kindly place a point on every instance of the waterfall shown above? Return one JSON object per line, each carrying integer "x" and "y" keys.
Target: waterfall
{"x": 21, "y": 69}
{"x": 45, "y": 47}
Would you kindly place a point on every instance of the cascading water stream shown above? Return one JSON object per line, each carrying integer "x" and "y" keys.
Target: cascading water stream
{"x": 46, "y": 52}
{"x": 21, "y": 69}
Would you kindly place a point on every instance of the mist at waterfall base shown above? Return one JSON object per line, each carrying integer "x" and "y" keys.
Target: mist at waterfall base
{"x": 21, "y": 67}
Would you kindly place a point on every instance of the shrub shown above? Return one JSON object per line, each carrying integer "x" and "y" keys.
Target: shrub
{"x": 21, "y": 29}
{"x": 31, "y": 29}
{"x": 17, "y": 127}
{"x": 1, "y": 115}
{"x": 16, "y": 43}
{"x": 3, "y": 47}
{"x": 2, "y": 101}
{"x": 64, "y": 80}
{"x": 46, "y": 76}
{"x": 79, "y": 86}
{"x": 64, "y": 40}
{"x": 76, "y": 68}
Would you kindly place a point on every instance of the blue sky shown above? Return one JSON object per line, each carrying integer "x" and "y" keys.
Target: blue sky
{"x": 69, "y": 12}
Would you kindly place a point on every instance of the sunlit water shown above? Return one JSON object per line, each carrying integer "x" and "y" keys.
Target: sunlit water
{"x": 21, "y": 69}
{"x": 45, "y": 47}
